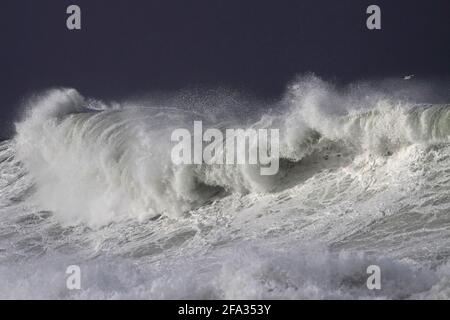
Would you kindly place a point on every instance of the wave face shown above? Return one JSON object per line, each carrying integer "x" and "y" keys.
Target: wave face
{"x": 364, "y": 179}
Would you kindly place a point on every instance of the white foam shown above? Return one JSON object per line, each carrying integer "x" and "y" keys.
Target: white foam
{"x": 363, "y": 180}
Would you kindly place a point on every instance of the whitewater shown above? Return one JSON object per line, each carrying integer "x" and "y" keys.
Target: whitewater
{"x": 363, "y": 180}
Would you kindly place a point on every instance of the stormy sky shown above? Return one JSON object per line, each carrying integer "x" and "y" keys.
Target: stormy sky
{"x": 130, "y": 47}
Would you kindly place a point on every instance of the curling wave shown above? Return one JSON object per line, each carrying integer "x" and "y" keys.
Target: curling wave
{"x": 94, "y": 163}
{"x": 364, "y": 179}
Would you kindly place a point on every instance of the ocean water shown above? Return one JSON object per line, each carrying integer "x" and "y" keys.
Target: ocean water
{"x": 364, "y": 179}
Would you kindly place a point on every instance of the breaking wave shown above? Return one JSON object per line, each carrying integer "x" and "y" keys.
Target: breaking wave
{"x": 117, "y": 158}
{"x": 364, "y": 179}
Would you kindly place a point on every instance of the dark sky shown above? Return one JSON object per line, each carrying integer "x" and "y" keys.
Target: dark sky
{"x": 129, "y": 47}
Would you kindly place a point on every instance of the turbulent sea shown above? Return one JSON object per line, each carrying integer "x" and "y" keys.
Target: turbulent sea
{"x": 364, "y": 180}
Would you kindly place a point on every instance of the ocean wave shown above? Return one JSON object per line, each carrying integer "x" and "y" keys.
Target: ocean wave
{"x": 363, "y": 179}
{"x": 117, "y": 158}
